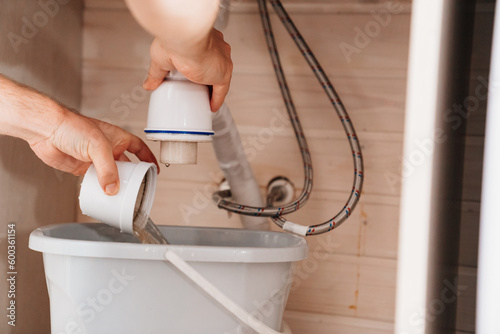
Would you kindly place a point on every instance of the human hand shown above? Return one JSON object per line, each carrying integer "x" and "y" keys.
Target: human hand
{"x": 63, "y": 139}
{"x": 79, "y": 141}
{"x": 208, "y": 64}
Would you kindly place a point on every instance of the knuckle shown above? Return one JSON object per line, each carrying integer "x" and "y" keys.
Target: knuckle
{"x": 219, "y": 33}
{"x": 227, "y": 48}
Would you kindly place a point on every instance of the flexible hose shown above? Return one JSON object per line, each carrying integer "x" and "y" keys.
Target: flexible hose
{"x": 278, "y": 212}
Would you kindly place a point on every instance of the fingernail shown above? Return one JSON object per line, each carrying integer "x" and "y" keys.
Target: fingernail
{"x": 111, "y": 189}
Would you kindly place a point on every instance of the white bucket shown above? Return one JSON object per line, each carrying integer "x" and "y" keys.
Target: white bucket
{"x": 102, "y": 281}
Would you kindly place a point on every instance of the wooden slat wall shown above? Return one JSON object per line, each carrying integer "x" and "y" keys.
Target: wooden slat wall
{"x": 348, "y": 283}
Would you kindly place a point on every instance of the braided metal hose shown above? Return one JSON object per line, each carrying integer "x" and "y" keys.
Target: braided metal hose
{"x": 277, "y": 212}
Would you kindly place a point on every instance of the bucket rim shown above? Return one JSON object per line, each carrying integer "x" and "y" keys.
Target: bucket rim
{"x": 40, "y": 240}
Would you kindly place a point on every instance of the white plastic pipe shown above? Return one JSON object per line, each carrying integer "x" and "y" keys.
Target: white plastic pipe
{"x": 131, "y": 206}
{"x": 488, "y": 280}
{"x": 236, "y": 168}
{"x": 420, "y": 122}
{"x": 179, "y": 116}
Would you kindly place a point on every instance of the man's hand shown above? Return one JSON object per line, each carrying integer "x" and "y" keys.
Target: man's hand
{"x": 64, "y": 139}
{"x": 79, "y": 141}
{"x": 210, "y": 64}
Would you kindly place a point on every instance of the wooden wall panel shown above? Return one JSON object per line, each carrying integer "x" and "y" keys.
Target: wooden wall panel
{"x": 376, "y": 105}
{"x": 348, "y": 283}
{"x": 324, "y": 34}
{"x": 303, "y": 322}
{"x": 354, "y": 286}
{"x": 389, "y": 47}
{"x": 103, "y": 44}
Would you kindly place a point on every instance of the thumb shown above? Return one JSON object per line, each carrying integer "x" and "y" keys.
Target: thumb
{"x": 107, "y": 172}
{"x": 219, "y": 93}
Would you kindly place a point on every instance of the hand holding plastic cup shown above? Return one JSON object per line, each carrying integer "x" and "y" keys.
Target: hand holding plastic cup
{"x": 131, "y": 206}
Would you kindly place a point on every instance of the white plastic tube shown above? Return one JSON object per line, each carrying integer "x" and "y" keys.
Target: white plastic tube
{"x": 127, "y": 208}
{"x": 236, "y": 168}
{"x": 179, "y": 116}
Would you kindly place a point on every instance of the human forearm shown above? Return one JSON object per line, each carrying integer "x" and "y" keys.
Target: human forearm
{"x": 182, "y": 26}
{"x": 65, "y": 140}
{"x": 187, "y": 42}
{"x": 26, "y": 113}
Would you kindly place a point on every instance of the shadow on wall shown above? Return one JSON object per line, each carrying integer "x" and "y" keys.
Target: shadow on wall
{"x": 41, "y": 47}
{"x": 31, "y": 195}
